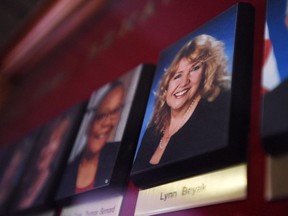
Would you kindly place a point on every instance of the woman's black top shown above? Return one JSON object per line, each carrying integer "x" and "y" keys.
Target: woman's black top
{"x": 205, "y": 131}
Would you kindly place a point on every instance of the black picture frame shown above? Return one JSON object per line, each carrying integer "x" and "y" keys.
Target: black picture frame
{"x": 116, "y": 155}
{"x": 274, "y": 130}
{"x": 234, "y": 28}
{"x": 38, "y": 186}
{"x": 15, "y": 159}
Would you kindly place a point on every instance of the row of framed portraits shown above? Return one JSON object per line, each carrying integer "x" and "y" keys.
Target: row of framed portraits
{"x": 186, "y": 116}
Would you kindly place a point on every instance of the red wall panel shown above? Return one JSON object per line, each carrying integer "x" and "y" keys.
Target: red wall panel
{"x": 124, "y": 34}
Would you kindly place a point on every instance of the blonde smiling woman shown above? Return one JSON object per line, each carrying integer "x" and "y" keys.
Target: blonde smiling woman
{"x": 191, "y": 105}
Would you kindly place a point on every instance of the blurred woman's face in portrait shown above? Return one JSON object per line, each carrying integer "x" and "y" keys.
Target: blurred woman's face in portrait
{"x": 184, "y": 84}
{"x": 107, "y": 116}
{"x": 48, "y": 153}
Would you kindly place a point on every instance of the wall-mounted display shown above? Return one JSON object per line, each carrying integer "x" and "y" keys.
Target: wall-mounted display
{"x": 38, "y": 187}
{"x": 103, "y": 152}
{"x": 197, "y": 117}
{"x": 274, "y": 79}
{"x": 275, "y": 104}
{"x": 14, "y": 161}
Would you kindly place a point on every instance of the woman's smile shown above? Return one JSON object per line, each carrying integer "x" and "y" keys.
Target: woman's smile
{"x": 181, "y": 93}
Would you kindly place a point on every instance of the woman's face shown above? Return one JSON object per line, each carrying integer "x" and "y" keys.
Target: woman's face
{"x": 183, "y": 86}
{"x": 48, "y": 152}
{"x": 107, "y": 116}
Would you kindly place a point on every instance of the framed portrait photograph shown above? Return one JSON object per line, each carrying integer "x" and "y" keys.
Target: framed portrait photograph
{"x": 274, "y": 100}
{"x": 37, "y": 189}
{"x": 103, "y": 151}
{"x": 197, "y": 117}
{"x": 275, "y": 79}
{"x": 14, "y": 161}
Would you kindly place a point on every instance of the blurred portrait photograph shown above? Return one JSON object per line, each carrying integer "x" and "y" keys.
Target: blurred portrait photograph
{"x": 38, "y": 184}
{"x": 275, "y": 79}
{"x": 188, "y": 112}
{"x": 92, "y": 159}
{"x": 14, "y": 161}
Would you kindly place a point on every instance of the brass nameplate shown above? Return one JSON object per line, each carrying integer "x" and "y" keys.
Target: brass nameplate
{"x": 276, "y": 178}
{"x": 107, "y": 207}
{"x": 229, "y": 184}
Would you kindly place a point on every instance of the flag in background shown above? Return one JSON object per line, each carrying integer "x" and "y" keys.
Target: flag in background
{"x": 270, "y": 73}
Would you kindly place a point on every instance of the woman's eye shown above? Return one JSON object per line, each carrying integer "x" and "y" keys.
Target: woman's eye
{"x": 177, "y": 76}
{"x": 195, "y": 68}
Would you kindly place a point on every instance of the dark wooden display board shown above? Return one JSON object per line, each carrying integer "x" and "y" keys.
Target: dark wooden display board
{"x": 214, "y": 129}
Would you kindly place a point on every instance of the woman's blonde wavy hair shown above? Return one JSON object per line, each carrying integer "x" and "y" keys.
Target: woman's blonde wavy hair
{"x": 207, "y": 50}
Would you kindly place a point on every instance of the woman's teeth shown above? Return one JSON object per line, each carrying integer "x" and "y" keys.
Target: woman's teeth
{"x": 178, "y": 94}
